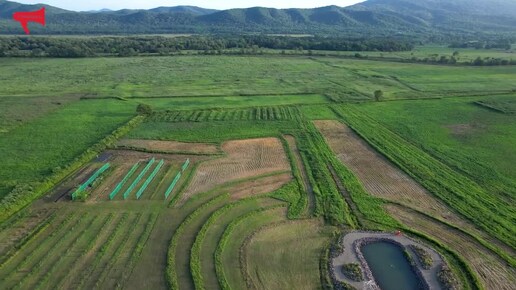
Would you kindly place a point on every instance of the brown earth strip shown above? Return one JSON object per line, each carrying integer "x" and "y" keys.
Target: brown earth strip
{"x": 170, "y": 146}
{"x": 259, "y": 186}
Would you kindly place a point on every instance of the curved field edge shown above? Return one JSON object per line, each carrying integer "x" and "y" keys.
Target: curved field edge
{"x": 171, "y": 272}
{"x": 195, "y": 254}
{"x": 257, "y": 217}
{"x": 457, "y": 191}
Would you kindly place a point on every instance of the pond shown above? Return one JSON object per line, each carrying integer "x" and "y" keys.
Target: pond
{"x": 391, "y": 270}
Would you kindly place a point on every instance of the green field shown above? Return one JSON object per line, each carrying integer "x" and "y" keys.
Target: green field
{"x": 451, "y": 129}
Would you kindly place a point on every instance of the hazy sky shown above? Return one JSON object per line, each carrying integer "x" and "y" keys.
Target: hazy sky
{"x": 82, "y": 5}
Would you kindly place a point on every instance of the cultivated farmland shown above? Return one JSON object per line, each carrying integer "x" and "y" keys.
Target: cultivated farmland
{"x": 245, "y": 171}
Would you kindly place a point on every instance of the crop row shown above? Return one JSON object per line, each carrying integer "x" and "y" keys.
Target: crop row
{"x": 456, "y": 190}
{"x": 84, "y": 252}
{"x": 219, "y": 268}
{"x": 88, "y": 273}
{"x": 248, "y": 114}
{"x": 315, "y": 155}
{"x": 171, "y": 272}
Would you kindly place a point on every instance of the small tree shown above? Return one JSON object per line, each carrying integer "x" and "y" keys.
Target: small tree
{"x": 378, "y": 95}
{"x": 144, "y": 109}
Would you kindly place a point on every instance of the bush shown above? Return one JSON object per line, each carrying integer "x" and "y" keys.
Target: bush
{"x": 143, "y": 109}
{"x": 447, "y": 279}
{"x": 353, "y": 272}
{"x": 423, "y": 257}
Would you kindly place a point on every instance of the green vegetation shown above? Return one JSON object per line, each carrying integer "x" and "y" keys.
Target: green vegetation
{"x": 227, "y": 76}
{"x": 459, "y": 192}
{"x": 447, "y": 279}
{"x": 353, "y": 272}
{"x": 250, "y": 114}
{"x": 451, "y": 136}
{"x": 210, "y": 132}
{"x": 423, "y": 256}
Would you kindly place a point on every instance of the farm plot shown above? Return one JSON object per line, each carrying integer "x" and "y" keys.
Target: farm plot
{"x": 131, "y": 173}
{"x": 493, "y": 272}
{"x": 272, "y": 265}
{"x": 168, "y": 146}
{"x": 380, "y": 177}
{"x": 80, "y": 250}
{"x": 276, "y": 113}
{"x": 245, "y": 159}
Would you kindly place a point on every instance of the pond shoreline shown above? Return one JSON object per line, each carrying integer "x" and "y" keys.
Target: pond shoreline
{"x": 352, "y": 244}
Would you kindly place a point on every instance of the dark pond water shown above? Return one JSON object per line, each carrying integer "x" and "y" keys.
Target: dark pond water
{"x": 390, "y": 268}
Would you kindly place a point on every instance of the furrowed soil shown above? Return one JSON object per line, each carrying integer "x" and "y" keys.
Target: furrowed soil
{"x": 245, "y": 159}
{"x": 259, "y": 186}
{"x": 170, "y": 146}
{"x": 493, "y": 272}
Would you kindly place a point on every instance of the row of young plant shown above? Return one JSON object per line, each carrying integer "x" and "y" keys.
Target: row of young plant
{"x": 120, "y": 248}
{"x": 59, "y": 284}
{"x": 329, "y": 202}
{"x": 23, "y": 195}
{"x": 171, "y": 272}
{"x": 195, "y": 253}
{"x": 31, "y": 236}
{"x": 460, "y": 193}
{"x": 136, "y": 252}
{"x": 276, "y": 113}
{"x": 64, "y": 227}
{"x": 71, "y": 234}
{"x": 68, "y": 250}
{"x": 89, "y": 272}
{"x": 293, "y": 192}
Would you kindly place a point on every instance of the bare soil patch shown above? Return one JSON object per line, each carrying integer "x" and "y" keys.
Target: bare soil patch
{"x": 259, "y": 186}
{"x": 245, "y": 159}
{"x": 493, "y": 272}
{"x": 169, "y": 146}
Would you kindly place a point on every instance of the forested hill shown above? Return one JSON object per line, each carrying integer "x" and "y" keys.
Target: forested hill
{"x": 422, "y": 18}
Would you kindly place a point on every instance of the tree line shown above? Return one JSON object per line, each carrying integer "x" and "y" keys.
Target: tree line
{"x": 137, "y": 45}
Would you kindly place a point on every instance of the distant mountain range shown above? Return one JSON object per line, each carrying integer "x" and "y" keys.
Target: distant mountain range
{"x": 371, "y": 18}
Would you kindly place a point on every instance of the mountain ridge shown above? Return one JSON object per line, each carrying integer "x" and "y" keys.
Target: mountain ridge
{"x": 372, "y": 17}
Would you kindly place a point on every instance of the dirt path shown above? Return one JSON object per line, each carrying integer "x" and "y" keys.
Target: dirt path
{"x": 349, "y": 256}
{"x": 169, "y": 146}
{"x": 304, "y": 175}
